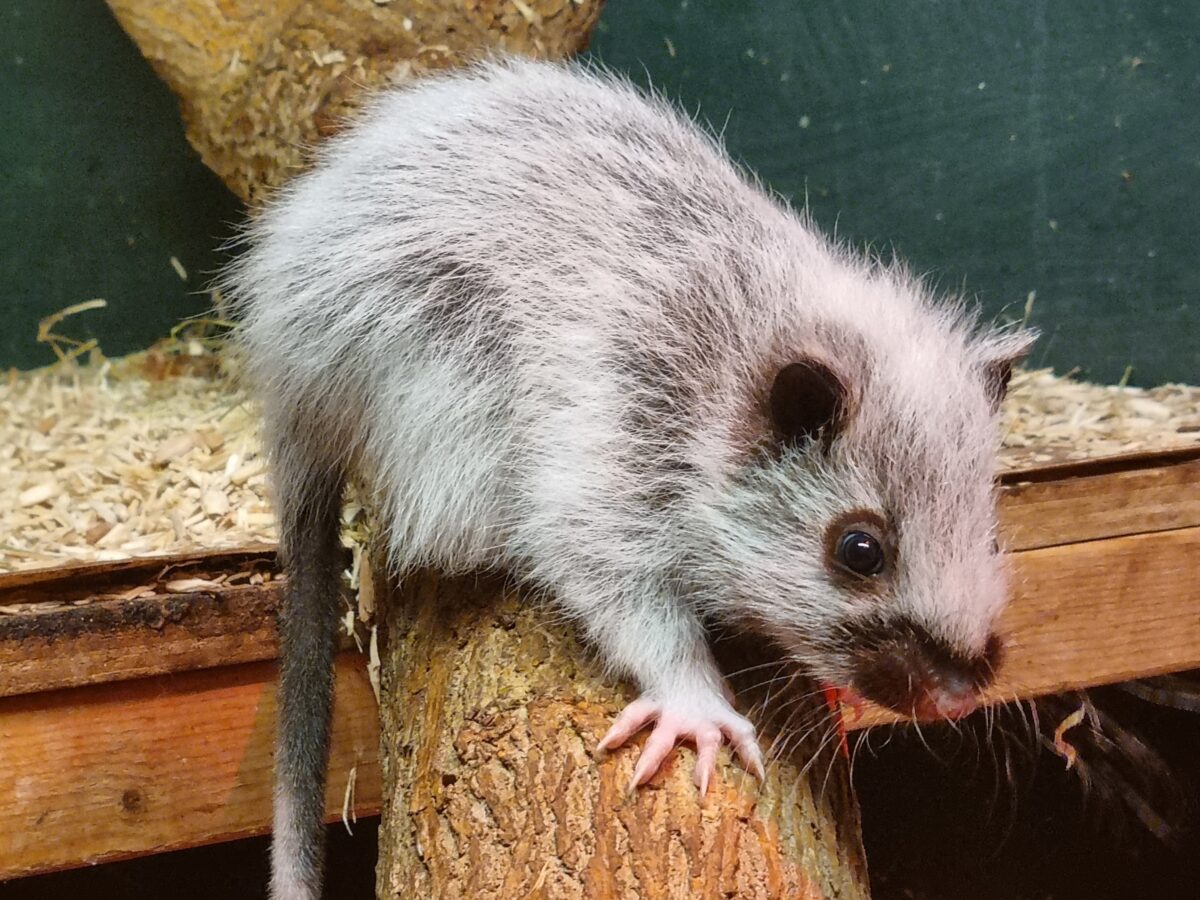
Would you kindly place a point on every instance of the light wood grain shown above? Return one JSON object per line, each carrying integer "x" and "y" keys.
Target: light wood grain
{"x": 129, "y": 768}
{"x": 1103, "y": 611}
{"x": 1101, "y": 500}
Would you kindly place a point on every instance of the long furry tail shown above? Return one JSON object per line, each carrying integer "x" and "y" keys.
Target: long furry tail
{"x": 309, "y": 501}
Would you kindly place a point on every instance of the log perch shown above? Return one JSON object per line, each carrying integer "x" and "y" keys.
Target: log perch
{"x": 260, "y": 82}
{"x": 491, "y": 710}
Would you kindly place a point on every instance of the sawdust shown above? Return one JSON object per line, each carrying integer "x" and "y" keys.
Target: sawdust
{"x": 1049, "y": 418}
{"x": 154, "y": 455}
{"x": 108, "y": 462}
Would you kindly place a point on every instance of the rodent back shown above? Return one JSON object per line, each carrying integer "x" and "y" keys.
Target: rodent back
{"x": 541, "y": 269}
{"x": 578, "y": 256}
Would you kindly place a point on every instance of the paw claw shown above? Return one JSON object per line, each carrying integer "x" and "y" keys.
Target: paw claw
{"x": 706, "y": 761}
{"x": 654, "y": 753}
{"x": 705, "y": 722}
{"x": 631, "y": 720}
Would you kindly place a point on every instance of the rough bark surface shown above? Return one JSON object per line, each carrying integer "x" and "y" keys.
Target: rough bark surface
{"x": 261, "y": 81}
{"x": 491, "y": 709}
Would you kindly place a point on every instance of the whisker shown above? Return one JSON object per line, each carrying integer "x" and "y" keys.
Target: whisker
{"x": 778, "y": 663}
{"x": 861, "y": 739}
{"x": 916, "y": 723}
{"x": 829, "y": 735}
{"x": 795, "y": 739}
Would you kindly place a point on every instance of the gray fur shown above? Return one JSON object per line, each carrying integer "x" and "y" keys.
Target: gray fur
{"x": 539, "y": 314}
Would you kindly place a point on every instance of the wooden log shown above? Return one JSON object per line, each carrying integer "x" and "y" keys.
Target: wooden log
{"x": 490, "y": 788}
{"x": 260, "y": 82}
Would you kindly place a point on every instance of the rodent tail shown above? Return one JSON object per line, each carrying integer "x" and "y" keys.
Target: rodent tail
{"x": 308, "y": 499}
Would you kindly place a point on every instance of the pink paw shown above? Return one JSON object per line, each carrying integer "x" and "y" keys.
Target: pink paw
{"x": 705, "y": 724}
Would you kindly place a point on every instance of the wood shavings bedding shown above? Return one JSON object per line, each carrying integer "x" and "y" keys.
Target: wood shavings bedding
{"x": 1049, "y": 418}
{"x": 116, "y": 460}
{"x": 101, "y": 464}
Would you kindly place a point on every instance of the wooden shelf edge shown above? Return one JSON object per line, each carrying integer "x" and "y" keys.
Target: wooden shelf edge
{"x": 107, "y": 638}
{"x": 1062, "y": 467}
{"x": 125, "y": 769}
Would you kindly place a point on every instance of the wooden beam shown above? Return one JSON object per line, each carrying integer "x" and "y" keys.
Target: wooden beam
{"x": 92, "y": 623}
{"x": 1104, "y": 499}
{"x": 79, "y": 580}
{"x": 129, "y": 768}
{"x": 117, "y": 640}
{"x": 1103, "y": 611}
{"x": 77, "y": 625}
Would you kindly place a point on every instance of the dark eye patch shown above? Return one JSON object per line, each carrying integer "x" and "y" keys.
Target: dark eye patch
{"x": 860, "y": 546}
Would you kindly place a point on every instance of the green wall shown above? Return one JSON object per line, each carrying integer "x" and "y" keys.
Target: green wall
{"x": 1004, "y": 147}
{"x": 985, "y": 141}
{"x": 98, "y": 188}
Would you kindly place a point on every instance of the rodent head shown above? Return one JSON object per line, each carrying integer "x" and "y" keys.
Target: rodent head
{"x": 861, "y": 536}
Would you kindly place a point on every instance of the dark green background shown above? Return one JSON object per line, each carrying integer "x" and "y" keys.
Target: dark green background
{"x": 98, "y": 188}
{"x": 1004, "y": 147}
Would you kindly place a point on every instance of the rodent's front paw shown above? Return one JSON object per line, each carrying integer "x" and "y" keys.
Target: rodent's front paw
{"x": 705, "y": 723}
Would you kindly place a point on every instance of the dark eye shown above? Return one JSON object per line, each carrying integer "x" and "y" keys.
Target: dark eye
{"x": 860, "y": 552}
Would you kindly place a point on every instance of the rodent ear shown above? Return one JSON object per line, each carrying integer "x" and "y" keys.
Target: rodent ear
{"x": 999, "y": 352}
{"x": 807, "y": 400}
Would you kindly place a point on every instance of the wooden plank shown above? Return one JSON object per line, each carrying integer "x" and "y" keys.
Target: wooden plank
{"x": 1101, "y": 501}
{"x": 119, "y": 770}
{"x": 1103, "y": 611}
{"x": 117, "y": 640}
{"x": 101, "y": 622}
{"x": 77, "y": 580}
{"x": 1053, "y": 464}
{"x": 1096, "y": 613}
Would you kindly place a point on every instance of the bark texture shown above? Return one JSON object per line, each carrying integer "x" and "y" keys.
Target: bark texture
{"x": 260, "y": 81}
{"x": 490, "y": 712}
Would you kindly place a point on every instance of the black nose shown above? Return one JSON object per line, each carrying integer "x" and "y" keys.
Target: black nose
{"x": 909, "y": 670}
